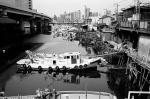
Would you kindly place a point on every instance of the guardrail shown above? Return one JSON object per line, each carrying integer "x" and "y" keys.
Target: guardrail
{"x": 137, "y": 94}
{"x": 84, "y": 95}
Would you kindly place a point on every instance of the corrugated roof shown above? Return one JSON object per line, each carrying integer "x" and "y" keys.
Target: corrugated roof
{"x": 132, "y": 7}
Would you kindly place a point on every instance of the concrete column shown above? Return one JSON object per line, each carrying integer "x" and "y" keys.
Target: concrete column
{"x": 32, "y": 27}
{"x": 46, "y": 27}
{"x": 25, "y": 26}
{"x": 21, "y": 23}
{"x": 42, "y": 26}
{"x": 39, "y": 27}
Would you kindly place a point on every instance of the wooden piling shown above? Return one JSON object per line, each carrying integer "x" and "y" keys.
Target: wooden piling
{"x": 139, "y": 71}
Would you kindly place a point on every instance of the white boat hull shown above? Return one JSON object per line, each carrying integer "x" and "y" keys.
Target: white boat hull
{"x": 66, "y": 60}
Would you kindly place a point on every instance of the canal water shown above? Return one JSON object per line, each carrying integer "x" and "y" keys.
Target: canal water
{"x": 26, "y": 84}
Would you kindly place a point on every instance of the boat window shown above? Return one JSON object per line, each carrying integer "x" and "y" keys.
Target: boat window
{"x": 77, "y": 56}
{"x": 54, "y": 62}
{"x": 65, "y": 57}
{"x": 68, "y": 57}
{"x": 74, "y": 57}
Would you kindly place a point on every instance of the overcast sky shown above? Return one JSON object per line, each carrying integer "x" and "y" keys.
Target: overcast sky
{"x": 51, "y": 7}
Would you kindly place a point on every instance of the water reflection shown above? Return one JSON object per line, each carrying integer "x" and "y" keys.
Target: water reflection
{"x": 5, "y": 77}
{"x": 117, "y": 82}
{"x": 71, "y": 77}
{"x": 91, "y": 80}
{"x": 25, "y": 83}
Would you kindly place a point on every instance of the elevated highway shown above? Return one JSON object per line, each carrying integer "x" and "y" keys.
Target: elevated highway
{"x": 29, "y": 21}
{"x": 78, "y": 25}
{"x": 17, "y": 23}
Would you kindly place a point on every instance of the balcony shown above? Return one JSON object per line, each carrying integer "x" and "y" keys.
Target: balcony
{"x": 141, "y": 26}
{"x": 145, "y": 25}
{"x": 126, "y": 24}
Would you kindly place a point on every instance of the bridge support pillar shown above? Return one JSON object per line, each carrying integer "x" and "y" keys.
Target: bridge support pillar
{"x": 33, "y": 29}
{"x": 21, "y": 26}
{"x": 25, "y": 26}
{"x": 39, "y": 27}
{"x": 46, "y": 27}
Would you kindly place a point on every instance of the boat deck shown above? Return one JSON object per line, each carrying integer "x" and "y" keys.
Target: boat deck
{"x": 68, "y": 95}
{"x": 84, "y": 95}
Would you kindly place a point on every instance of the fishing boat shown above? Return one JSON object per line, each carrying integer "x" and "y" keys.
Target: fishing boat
{"x": 68, "y": 60}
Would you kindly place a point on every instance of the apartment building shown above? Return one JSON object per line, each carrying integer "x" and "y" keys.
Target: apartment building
{"x": 23, "y": 4}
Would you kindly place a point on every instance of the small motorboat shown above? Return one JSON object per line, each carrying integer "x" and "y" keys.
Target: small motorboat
{"x": 66, "y": 60}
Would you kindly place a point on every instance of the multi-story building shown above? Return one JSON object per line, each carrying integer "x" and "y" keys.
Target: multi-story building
{"x": 90, "y": 17}
{"x": 106, "y": 20}
{"x": 68, "y": 18}
{"x": 61, "y": 18}
{"x": 87, "y": 12}
{"x": 23, "y": 4}
{"x": 135, "y": 27}
{"x": 77, "y": 16}
{"x": 72, "y": 17}
{"x": 94, "y": 14}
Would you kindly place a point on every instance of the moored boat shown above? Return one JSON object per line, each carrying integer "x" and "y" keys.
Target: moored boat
{"x": 68, "y": 60}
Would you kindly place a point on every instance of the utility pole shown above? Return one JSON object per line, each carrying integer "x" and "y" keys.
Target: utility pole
{"x": 137, "y": 6}
{"x": 138, "y": 11}
{"x": 117, "y": 5}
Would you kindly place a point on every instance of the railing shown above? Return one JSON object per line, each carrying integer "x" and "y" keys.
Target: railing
{"x": 138, "y": 94}
{"x": 84, "y": 95}
{"x": 126, "y": 24}
{"x": 139, "y": 25}
{"x": 142, "y": 60}
{"x": 145, "y": 25}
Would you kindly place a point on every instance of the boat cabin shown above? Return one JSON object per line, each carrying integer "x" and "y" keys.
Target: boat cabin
{"x": 72, "y": 57}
